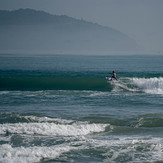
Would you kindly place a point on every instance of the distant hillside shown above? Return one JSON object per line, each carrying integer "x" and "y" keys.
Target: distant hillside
{"x": 29, "y": 30}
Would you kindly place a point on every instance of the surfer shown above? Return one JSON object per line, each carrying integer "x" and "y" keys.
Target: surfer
{"x": 113, "y": 75}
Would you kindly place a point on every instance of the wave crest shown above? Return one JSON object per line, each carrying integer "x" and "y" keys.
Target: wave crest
{"x": 76, "y": 129}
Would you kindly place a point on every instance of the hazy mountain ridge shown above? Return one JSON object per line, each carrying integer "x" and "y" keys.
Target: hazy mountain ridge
{"x": 30, "y": 16}
{"x": 31, "y": 30}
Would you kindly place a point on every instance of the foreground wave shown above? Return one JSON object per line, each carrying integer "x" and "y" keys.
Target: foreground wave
{"x": 40, "y": 139}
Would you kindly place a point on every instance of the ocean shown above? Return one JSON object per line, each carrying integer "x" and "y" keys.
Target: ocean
{"x": 60, "y": 108}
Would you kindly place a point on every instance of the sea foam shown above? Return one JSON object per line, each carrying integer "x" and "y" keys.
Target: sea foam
{"x": 75, "y": 129}
{"x": 31, "y": 154}
{"x": 149, "y": 85}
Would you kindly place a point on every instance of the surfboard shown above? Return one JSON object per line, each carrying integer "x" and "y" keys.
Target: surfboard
{"x": 110, "y": 79}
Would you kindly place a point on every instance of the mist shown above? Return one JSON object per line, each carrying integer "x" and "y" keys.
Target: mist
{"x": 139, "y": 20}
{"x": 32, "y": 31}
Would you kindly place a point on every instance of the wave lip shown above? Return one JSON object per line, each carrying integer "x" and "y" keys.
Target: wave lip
{"x": 149, "y": 85}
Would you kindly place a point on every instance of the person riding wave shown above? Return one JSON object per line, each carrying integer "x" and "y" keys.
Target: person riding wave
{"x": 113, "y": 75}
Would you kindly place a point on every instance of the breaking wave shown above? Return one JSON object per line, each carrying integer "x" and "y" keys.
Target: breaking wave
{"x": 153, "y": 85}
{"x": 149, "y": 85}
{"x": 49, "y": 126}
{"x": 146, "y": 85}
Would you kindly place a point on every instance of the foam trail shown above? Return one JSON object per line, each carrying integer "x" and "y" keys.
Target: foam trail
{"x": 120, "y": 87}
{"x": 124, "y": 85}
{"x": 149, "y": 85}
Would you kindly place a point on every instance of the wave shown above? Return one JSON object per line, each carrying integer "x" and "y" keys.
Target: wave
{"x": 17, "y": 118}
{"x": 146, "y": 120}
{"x": 51, "y": 129}
{"x": 149, "y": 120}
{"x": 14, "y": 123}
{"x": 152, "y": 85}
{"x": 48, "y": 126}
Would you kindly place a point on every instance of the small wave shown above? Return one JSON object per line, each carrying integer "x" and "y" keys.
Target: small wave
{"x": 150, "y": 120}
{"x": 17, "y": 118}
{"x": 46, "y": 119}
{"x": 94, "y": 94}
{"x": 4, "y": 92}
{"x": 31, "y": 124}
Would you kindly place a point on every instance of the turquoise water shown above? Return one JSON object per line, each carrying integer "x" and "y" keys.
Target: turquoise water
{"x": 60, "y": 108}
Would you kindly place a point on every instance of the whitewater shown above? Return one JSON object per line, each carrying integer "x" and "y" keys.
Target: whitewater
{"x": 146, "y": 85}
{"x": 60, "y": 108}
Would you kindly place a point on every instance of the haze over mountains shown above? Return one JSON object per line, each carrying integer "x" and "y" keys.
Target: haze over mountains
{"x": 28, "y": 30}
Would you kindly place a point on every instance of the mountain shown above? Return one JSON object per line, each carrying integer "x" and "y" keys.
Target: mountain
{"x": 28, "y": 30}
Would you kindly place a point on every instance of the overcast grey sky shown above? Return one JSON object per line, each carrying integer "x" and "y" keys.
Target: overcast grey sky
{"x": 142, "y": 20}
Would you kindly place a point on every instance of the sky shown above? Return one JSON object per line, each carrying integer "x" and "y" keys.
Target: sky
{"x": 142, "y": 20}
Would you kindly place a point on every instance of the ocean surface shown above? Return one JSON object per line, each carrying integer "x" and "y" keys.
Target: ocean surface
{"x": 60, "y": 108}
